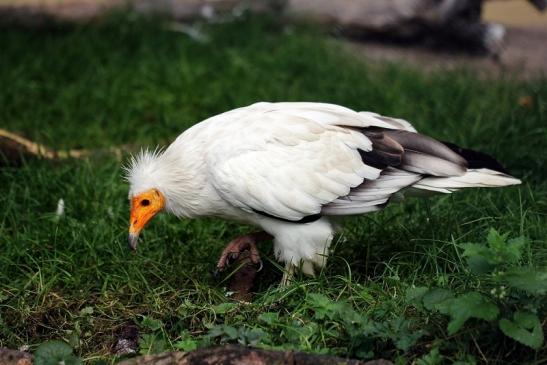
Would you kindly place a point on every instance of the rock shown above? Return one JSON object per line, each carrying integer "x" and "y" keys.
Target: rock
{"x": 127, "y": 341}
{"x": 13, "y": 357}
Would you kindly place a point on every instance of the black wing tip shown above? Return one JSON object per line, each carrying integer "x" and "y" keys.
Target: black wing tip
{"x": 306, "y": 219}
{"x": 477, "y": 159}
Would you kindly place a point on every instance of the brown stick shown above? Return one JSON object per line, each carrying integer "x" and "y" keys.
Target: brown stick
{"x": 13, "y": 147}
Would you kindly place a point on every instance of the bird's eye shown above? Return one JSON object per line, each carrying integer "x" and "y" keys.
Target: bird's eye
{"x": 145, "y": 202}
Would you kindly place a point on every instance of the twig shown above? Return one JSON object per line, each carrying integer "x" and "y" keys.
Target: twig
{"x": 13, "y": 146}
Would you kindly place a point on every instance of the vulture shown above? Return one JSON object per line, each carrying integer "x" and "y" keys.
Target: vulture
{"x": 290, "y": 168}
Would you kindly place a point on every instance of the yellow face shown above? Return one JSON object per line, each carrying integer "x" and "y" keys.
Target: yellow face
{"x": 143, "y": 208}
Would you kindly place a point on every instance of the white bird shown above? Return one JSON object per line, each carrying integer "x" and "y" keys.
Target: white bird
{"x": 288, "y": 168}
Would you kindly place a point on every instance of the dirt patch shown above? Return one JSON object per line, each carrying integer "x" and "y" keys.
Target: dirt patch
{"x": 524, "y": 55}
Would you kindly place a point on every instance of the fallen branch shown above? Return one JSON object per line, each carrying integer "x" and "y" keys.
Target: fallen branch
{"x": 14, "y": 148}
{"x": 242, "y": 355}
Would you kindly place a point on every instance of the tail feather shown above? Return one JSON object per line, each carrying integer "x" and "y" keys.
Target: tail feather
{"x": 472, "y": 178}
{"x": 416, "y": 165}
{"x": 482, "y": 171}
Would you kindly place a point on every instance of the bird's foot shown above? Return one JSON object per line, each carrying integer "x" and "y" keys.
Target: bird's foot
{"x": 244, "y": 243}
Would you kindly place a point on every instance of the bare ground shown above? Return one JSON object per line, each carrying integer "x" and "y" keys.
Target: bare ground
{"x": 524, "y": 55}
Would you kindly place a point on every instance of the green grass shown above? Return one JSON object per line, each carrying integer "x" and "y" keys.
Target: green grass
{"x": 125, "y": 81}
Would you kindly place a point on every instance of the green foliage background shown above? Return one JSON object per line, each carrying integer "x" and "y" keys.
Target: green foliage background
{"x": 127, "y": 81}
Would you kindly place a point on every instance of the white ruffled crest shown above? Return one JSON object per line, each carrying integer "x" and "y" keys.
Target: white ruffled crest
{"x": 174, "y": 172}
{"x": 145, "y": 171}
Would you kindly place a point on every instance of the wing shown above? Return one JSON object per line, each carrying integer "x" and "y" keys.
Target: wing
{"x": 291, "y": 160}
{"x": 421, "y": 156}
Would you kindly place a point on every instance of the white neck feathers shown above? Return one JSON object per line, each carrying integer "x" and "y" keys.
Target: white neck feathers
{"x": 178, "y": 173}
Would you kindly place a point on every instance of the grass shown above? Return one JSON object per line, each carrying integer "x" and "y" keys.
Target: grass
{"x": 127, "y": 81}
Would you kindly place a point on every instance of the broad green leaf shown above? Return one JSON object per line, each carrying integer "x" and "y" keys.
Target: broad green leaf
{"x": 533, "y": 282}
{"x": 479, "y": 265}
{"x": 358, "y": 324}
{"x": 225, "y": 331}
{"x": 514, "y": 249}
{"x": 53, "y": 349}
{"x": 474, "y": 249}
{"x": 478, "y": 258}
{"x": 470, "y": 305}
{"x": 253, "y": 336}
{"x": 436, "y": 296}
{"x": 503, "y": 251}
{"x": 525, "y": 328}
{"x": 269, "y": 317}
{"x": 434, "y": 357}
{"x": 152, "y": 343}
{"x": 186, "y": 345}
{"x": 495, "y": 239}
{"x": 408, "y": 339}
{"x": 231, "y": 332}
{"x": 151, "y": 323}
{"x": 55, "y": 352}
{"x": 224, "y": 307}
{"x": 414, "y": 295}
{"x": 324, "y": 307}
{"x": 498, "y": 252}
{"x": 301, "y": 333}
{"x": 526, "y": 319}
{"x": 402, "y": 331}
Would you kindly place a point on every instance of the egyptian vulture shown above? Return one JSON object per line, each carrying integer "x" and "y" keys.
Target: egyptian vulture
{"x": 289, "y": 167}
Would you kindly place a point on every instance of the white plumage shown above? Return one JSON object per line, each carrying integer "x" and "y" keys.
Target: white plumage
{"x": 278, "y": 165}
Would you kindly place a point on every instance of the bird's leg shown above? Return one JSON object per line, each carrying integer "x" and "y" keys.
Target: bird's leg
{"x": 288, "y": 274}
{"x": 240, "y": 244}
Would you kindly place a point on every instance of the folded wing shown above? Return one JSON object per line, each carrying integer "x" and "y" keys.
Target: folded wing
{"x": 298, "y": 161}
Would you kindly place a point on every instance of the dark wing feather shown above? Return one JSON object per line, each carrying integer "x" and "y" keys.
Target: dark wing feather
{"x": 476, "y": 159}
{"x": 405, "y": 158}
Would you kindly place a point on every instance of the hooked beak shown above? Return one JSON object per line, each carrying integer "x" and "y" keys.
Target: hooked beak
{"x": 132, "y": 241}
{"x": 137, "y": 223}
{"x": 143, "y": 208}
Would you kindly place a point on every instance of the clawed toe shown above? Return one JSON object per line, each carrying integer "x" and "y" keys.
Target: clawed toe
{"x": 260, "y": 265}
{"x": 232, "y": 252}
{"x": 227, "y": 260}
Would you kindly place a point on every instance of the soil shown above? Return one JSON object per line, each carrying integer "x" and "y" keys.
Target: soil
{"x": 524, "y": 55}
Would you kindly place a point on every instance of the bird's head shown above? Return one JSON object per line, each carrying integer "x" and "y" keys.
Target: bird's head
{"x": 145, "y": 176}
{"x": 162, "y": 180}
{"x": 144, "y": 206}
